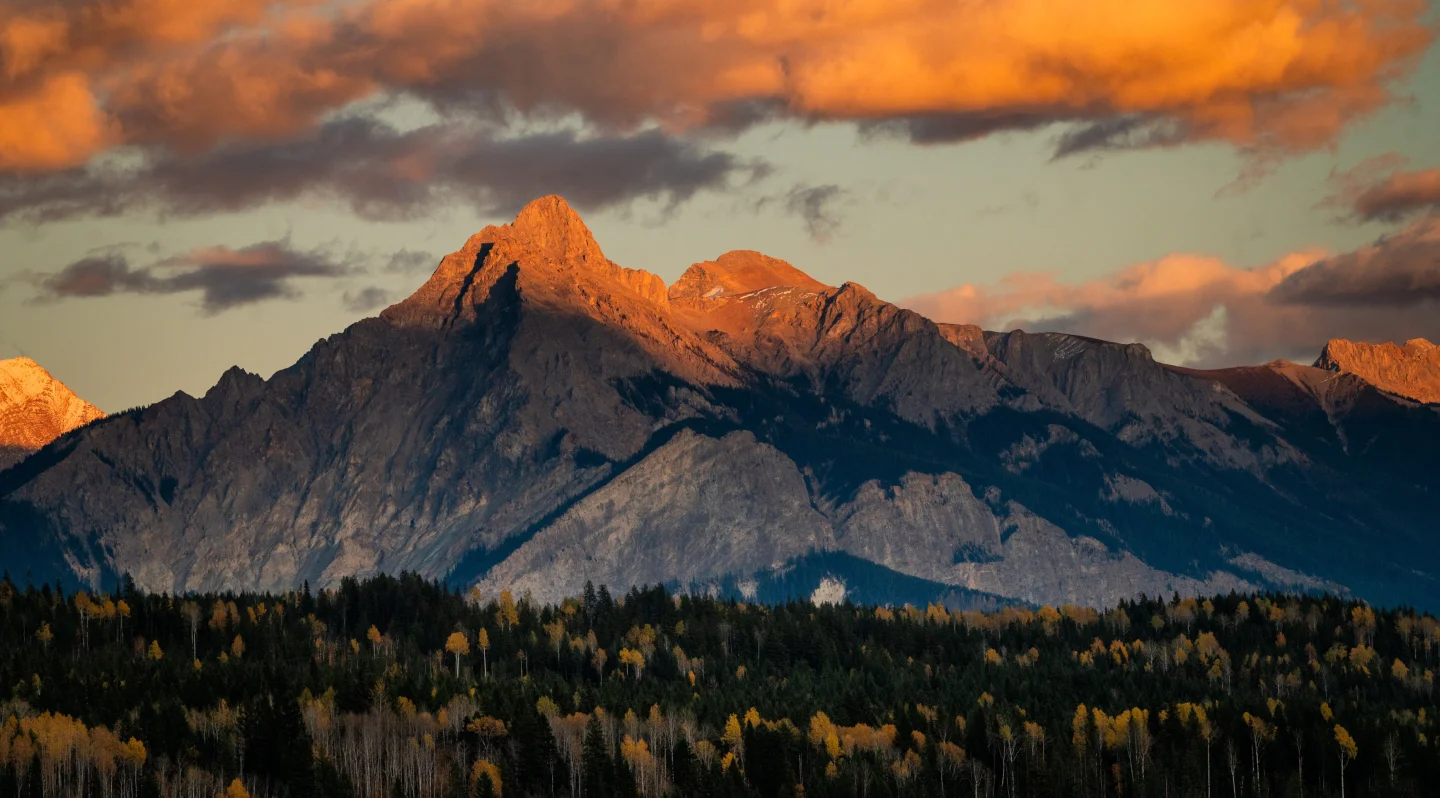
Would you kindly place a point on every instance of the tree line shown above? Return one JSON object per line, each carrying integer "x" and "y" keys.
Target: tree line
{"x": 399, "y": 686}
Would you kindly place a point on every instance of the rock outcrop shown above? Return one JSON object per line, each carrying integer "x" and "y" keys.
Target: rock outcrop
{"x": 35, "y": 409}
{"x": 1411, "y": 371}
{"x": 536, "y": 416}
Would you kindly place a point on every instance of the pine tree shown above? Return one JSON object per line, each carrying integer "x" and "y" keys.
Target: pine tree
{"x": 596, "y": 762}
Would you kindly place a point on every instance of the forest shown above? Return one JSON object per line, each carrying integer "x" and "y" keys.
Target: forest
{"x": 403, "y": 687}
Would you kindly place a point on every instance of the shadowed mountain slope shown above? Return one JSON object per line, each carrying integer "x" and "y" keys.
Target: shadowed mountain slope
{"x": 536, "y": 415}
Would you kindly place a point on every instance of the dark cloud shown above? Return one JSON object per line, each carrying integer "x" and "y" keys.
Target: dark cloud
{"x": 224, "y": 278}
{"x": 384, "y": 173}
{"x": 818, "y": 207}
{"x": 951, "y": 128}
{"x": 366, "y": 299}
{"x": 1374, "y": 190}
{"x": 1121, "y": 133}
{"x": 408, "y": 261}
{"x": 1402, "y": 270}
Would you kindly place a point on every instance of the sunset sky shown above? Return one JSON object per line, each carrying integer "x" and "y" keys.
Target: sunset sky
{"x": 187, "y": 186}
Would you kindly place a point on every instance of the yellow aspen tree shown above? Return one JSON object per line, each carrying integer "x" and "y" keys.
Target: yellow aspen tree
{"x": 732, "y": 734}
{"x": 236, "y": 790}
{"x": 155, "y": 652}
{"x": 951, "y": 761}
{"x": 1348, "y": 751}
{"x": 483, "y": 641}
{"x": 555, "y": 631}
{"x": 237, "y": 647}
{"x": 457, "y": 644}
{"x": 508, "y": 614}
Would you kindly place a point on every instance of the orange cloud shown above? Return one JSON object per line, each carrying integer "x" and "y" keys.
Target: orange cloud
{"x": 54, "y": 126}
{"x": 1268, "y": 76}
{"x": 1198, "y": 310}
{"x": 1374, "y": 190}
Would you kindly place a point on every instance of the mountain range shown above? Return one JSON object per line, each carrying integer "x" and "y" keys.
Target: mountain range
{"x": 536, "y": 416}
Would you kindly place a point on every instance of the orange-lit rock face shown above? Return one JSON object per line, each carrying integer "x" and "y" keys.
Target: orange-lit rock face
{"x": 1412, "y": 370}
{"x": 35, "y": 409}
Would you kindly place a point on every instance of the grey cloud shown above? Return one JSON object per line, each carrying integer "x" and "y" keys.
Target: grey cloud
{"x": 224, "y": 278}
{"x": 1122, "y": 133}
{"x": 366, "y": 299}
{"x": 1401, "y": 270}
{"x": 818, "y": 207}
{"x": 383, "y": 173}
{"x": 1377, "y": 190}
{"x": 951, "y": 128}
{"x": 407, "y": 261}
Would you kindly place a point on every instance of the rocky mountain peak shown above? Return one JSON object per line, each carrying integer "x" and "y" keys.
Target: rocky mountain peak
{"x": 36, "y": 408}
{"x": 740, "y": 272}
{"x": 549, "y": 225}
{"x": 1411, "y": 371}
{"x": 548, "y": 242}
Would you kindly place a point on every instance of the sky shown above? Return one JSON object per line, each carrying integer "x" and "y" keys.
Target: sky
{"x": 190, "y": 186}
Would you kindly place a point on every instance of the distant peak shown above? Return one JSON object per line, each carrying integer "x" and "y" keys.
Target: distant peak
{"x": 1412, "y": 370}
{"x": 21, "y": 363}
{"x": 23, "y": 375}
{"x": 740, "y": 272}
{"x": 36, "y": 408}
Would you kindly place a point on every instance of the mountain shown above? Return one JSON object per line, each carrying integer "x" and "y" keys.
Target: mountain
{"x": 35, "y": 409}
{"x": 1412, "y": 370}
{"x": 536, "y": 416}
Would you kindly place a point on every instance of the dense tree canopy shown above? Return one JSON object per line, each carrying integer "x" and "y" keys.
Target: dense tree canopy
{"x": 403, "y": 687}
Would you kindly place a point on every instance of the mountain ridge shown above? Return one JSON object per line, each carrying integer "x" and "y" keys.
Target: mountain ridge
{"x": 1411, "y": 370}
{"x": 536, "y": 415}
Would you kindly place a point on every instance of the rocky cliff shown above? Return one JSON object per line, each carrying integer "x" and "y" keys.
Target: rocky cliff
{"x": 536, "y": 415}
{"x": 35, "y": 409}
{"x": 1412, "y": 370}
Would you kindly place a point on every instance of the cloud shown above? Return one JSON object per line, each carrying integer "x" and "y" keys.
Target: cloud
{"x": 224, "y": 278}
{"x": 366, "y": 299}
{"x": 1198, "y": 310}
{"x": 408, "y": 261}
{"x": 59, "y": 63}
{"x": 386, "y": 174}
{"x": 1266, "y": 76}
{"x": 1398, "y": 271}
{"x": 1375, "y": 191}
{"x": 816, "y": 206}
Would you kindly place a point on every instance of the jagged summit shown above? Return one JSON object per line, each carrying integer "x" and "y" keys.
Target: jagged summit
{"x": 740, "y": 272}
{"x": 548, "y": 241}
{"x": 36, "y": 408}
{"x": 549, "y": 226}
{"x": 1411, "y": 371}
